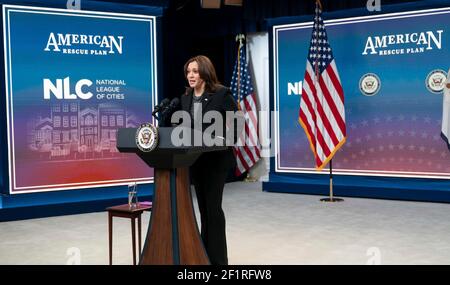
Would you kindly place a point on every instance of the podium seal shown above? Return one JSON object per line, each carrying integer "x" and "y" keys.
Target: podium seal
{"x": 147, "y": 137}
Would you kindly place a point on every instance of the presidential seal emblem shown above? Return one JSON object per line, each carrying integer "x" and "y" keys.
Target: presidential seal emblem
{"x": 369, "y": 84}
{"x": 147, "y": 137}
{"x": 435, "y": 81}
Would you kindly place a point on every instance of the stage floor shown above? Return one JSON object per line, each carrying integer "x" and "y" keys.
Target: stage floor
{"x": 262, "y": 228}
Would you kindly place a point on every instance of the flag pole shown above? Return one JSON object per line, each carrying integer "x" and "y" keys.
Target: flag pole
{"x": 239, "y": 38}
{"x": 331, "y": 198}
{"x": 331, "y": 180}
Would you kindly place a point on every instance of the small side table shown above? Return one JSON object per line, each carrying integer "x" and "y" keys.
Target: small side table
{"x": 124, "y": 211}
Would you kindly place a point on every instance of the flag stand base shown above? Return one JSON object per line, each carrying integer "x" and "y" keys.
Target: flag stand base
{"x": 250, "y": 179}
{"x": 331, "y": 200}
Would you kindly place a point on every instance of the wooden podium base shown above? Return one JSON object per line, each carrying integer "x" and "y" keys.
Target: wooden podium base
{"x": 173, "y": 236}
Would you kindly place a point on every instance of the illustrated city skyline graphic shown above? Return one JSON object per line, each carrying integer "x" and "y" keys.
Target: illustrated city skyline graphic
{"x": 71, "y": 130}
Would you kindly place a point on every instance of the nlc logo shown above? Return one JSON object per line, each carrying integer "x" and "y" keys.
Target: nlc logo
{"x": 62, "y": 89}
{"x": 295, "y": 88}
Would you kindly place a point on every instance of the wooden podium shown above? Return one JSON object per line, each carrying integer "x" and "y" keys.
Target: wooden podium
{"x": 173, "y": 236}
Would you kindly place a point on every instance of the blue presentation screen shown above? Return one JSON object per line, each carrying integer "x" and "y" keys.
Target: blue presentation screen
{"x": 393, "y": 69}
{"x": 72, "y": 79}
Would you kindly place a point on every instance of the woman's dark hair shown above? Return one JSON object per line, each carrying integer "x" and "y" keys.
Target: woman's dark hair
{"x": 206, "y": 71}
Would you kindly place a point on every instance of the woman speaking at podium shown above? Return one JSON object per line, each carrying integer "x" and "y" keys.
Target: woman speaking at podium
{"x": 210, "y": 171}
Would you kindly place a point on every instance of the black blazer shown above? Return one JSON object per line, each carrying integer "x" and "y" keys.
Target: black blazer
{"x": 222, "y": 101}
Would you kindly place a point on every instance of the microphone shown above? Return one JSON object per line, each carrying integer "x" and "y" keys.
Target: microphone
{"x": 168, "y": 111}
{"x": 174, "y": 104}
{"x": 161, "y": 106}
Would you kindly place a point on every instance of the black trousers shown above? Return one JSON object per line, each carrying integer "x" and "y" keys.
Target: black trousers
{"x": 209, "y": 181}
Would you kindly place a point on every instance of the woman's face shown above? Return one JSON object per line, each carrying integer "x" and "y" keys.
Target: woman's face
{"x": 193, "y": 76}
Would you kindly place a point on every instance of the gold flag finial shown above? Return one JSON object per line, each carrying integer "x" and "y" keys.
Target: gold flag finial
{"x": 240, "y": 38}
{"x": 320, "y": 4}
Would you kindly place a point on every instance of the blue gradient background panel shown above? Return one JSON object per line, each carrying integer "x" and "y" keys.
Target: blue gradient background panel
{"x": 33, "y": 168}
{"x": 393, "y": 133}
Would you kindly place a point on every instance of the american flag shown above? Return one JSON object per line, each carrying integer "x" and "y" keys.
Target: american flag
{"x": 322, "y": 113}
{"x": 248, "y": 149}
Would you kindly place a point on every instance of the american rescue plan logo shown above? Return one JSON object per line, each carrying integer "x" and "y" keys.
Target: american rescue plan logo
{"x": 147, "y": 137}
{"x": 369, "y": 84}
{"x": 407, "y": 43}
{"x": 96, "y": 45}
{"x": 435, "y": 81}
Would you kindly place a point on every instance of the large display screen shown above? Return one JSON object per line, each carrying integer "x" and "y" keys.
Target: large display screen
{"x": 72, "y": 79}
{"x": 393, "y": 69}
